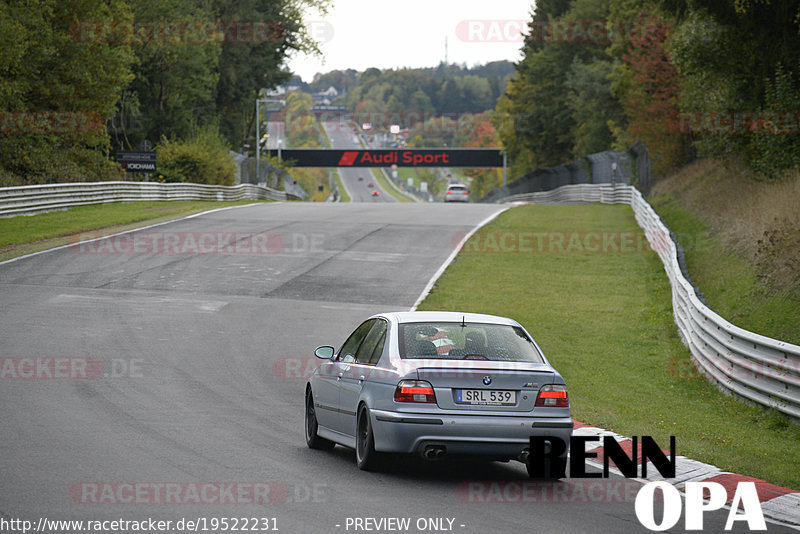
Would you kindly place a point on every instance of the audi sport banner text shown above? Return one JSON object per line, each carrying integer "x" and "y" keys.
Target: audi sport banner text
{"x": 428, "y": 157}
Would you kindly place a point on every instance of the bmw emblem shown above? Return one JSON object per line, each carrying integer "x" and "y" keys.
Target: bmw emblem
{"x": 487, "y": 380}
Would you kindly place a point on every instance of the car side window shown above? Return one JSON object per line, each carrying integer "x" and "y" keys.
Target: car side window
{"x": 370, "y": 351}
{"x": 348, "y": 352}
{"x": 376, "y": 354}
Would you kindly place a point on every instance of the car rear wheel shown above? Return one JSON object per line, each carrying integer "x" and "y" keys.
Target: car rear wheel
{"x": 366, "y": 457}
{"x": 312, "y": 439}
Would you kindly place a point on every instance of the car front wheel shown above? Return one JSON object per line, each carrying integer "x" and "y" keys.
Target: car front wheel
{"x": 312, "y": 439}
{"x": 366, "y": 457}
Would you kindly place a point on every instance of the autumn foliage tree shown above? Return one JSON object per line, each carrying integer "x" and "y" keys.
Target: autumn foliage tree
{"x": 646, "y": 84}
{"x": 480, "y": 133}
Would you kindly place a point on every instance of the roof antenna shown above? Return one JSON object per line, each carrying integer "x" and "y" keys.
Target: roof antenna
{"x": 463, "y": 324}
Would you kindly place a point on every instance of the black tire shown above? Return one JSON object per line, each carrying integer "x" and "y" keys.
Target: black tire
{"x": 366, "y": 457}
{"x": 312, "y": 439}
{"x": 555, "y": 470}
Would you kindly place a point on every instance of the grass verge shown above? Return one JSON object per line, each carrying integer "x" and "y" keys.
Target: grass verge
{"x": 387, "y": 187}
{"x": 732, "y": 285}
{"x": 404, "y": 173}
{"x": 27, "y": 234}
{"x": 344, "y": 196}
{"x": 604, "y": 319}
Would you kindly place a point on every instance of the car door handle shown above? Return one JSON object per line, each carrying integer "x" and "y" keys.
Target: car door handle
{"x": 361, "y": 378}
{"x": 340, "y": 376}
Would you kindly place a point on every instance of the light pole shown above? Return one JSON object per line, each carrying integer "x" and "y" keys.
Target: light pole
{"x": 258, "y": 132}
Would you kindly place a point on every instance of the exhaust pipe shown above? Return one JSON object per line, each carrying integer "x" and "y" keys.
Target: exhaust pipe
{"x": 434, "y": 452}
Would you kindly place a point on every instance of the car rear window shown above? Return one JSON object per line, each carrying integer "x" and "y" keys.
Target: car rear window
{"x": 466, "y": 341}
{"x": 456, "y": 188}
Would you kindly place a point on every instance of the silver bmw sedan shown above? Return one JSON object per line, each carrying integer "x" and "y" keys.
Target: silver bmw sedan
{"x": 437, "y": 384}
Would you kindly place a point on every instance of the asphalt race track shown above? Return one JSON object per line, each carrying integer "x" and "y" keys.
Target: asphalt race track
{"x": 342, "y": 136}
{"x": 160, "y": 375}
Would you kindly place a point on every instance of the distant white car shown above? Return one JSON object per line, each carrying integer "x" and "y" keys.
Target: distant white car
{"x": 456, "y": 193}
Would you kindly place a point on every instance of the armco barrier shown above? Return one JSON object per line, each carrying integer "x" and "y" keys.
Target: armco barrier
{"x": 761, "y": 369}
{"x": 27, "y": 200}
{"x": 608, "y": 167}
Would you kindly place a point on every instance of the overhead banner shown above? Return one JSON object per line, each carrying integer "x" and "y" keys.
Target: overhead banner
{"x": 418, "y": 157}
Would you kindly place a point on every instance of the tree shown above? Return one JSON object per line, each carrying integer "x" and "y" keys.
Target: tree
{"x": 593, "y": 106}
{"x": 646, "y": 83}
{"x": 59, "y": 81}
{"x": 738, "y": 57}
{"x": 480, "y": 133}
{"x": 544, "y": 118}
{"x": 254, "y": 58}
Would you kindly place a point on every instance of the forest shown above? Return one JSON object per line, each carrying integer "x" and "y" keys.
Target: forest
{"x": 688, "y": 78}
{"x": 80, "y": 79}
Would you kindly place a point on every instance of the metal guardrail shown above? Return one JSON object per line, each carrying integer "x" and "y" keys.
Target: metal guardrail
{"x": 761, "y": 369}
{"x": 608, "y": 167}
{"x": 28, "y": 200}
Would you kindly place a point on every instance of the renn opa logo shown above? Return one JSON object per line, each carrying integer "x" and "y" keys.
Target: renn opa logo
{"x": 548, "y": 454}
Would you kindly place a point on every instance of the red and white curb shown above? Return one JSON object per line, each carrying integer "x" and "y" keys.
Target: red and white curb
{"x": 777, "y": 503}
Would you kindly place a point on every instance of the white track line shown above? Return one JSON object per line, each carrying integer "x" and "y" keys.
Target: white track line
{"x": 452, "y": 256}
{"x": 127, "y": 231}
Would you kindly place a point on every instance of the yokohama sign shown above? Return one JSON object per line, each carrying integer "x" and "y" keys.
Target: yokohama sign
{"x": 430, "y": 157}
{"x": 137, "y": 161}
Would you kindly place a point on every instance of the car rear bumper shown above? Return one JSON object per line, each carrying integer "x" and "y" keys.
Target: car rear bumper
{"x": 497, "y": 436}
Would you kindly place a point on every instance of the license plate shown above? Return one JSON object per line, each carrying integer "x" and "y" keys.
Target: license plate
{"x": 488, "y": 397}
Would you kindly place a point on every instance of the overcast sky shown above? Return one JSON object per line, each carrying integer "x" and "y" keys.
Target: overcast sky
{"x": 359, "y": 34}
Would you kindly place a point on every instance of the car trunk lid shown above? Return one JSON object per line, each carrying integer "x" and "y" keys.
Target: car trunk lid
{"x": 511, "y": 389}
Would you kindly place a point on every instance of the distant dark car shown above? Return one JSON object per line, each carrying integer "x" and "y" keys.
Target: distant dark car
{"x": 360, "y": 178}
{"x": 370, "y": 184}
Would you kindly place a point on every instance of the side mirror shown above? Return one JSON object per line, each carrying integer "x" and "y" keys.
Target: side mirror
{"x": 324, "y": 352}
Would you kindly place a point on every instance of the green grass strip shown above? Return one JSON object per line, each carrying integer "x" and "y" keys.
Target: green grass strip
{"x": 387, "y": 187}
{"x": 344, "y": 196}
{"x": 23, "y": 234}
{"x": 586, "y": 285}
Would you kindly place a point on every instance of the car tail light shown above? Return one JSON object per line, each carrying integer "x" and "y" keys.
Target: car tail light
{"x": 554, "y": 396}
{"x": 414, "y": 391}
{"x": 466, "y": 192}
